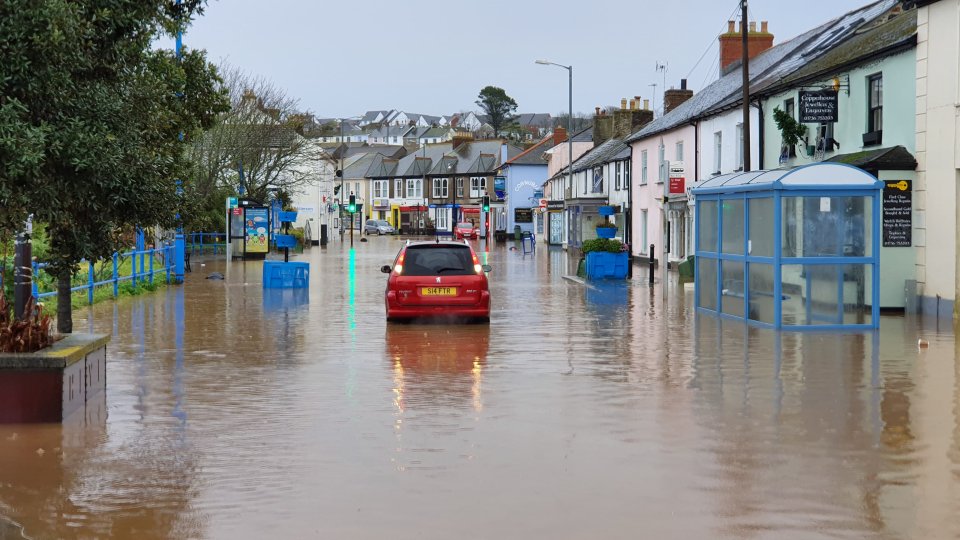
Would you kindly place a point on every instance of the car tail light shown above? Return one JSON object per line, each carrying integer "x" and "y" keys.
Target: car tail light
{"x": 398, "y": 268}
{"x": 476, "y": 263}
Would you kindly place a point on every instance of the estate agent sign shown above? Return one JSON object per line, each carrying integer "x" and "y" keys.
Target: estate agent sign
{"x": 818, "y": 106}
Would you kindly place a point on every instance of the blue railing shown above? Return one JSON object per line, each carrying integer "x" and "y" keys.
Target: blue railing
{"x": 214, "y": 241}
{"x": 142, "y": 269}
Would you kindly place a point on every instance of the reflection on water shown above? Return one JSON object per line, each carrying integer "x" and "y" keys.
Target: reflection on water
{"x": 601, "y": 411}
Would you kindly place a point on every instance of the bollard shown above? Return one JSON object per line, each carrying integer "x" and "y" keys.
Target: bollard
{"x": 651, "y": 264}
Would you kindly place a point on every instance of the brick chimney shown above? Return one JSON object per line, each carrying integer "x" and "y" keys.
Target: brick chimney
{"x": 559, "y": 135}
{"x": 627, "y": 120}
{"x": 731, "y": 49}
{"x": 603, "y": 127}
{"x": 461, "y": 137}
{"x": 673, "y": 97}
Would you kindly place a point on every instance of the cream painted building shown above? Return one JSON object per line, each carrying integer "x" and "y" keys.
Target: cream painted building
{"x": 938, "y": 153}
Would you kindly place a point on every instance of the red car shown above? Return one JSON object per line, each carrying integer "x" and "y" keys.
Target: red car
{"x": 465, "y": 230}
{"x": 437, "y": 279}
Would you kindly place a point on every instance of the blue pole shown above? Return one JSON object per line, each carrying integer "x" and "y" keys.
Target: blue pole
{"x": 116, "y": 275}
{"x": 92, "y": 281}
{"x": 179, "y": 251}
{"x": 151, "y": 266}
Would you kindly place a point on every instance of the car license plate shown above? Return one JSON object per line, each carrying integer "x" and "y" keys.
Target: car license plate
{"x": 438, "y": 291}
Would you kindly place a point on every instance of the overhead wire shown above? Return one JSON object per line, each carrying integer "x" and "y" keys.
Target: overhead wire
{"x": 712, "y": 43}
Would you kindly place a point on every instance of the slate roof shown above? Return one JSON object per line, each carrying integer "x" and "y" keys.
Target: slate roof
{"x": 766, "y": 69}
{"x": 391, "y": 131}
{"x": 371, "y": 116}
{"x": 381, "y": 166}
{"x": 584, "y": 135}
{"x": 609, "y": 151}
{"x": 419, "y": 163}
{"x": 472, "y": 157}
{"x": 534, "y": 154}
{"x": 894, "y": 158}
{"x": 434, "y": 132}
{"x": 359, "y": 168}
{"x": 534, "y": 119}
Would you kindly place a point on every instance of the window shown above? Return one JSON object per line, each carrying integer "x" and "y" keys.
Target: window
{"x": 789, "y": 108}
{"x": 717, "y": 149}
{"x": 459, "y": 187}
{"x": 679, "y": 153}
{"x": 739, "y": 147}
{"x": 380, "y": 188}
{"x": 643, "y": 231}
{"x": 598, "y": 180}
{"x": 356, "y": 189}
{"x": 439, "y": 259}
{"x": 394, "y": 139}
{"x": 626, "y": 174}
{"x": 440, "y": 188}
{"x": 643, "y": 167}
{"x": 661, "y": 158}
{"x": 478, "y": 186}
{"x": 875, "y": 105}
{"x": 398, "y": 188}
{"x": 442, "y": 215}
{"x": 618, "y": 173}
{"x": 414, "y": 190}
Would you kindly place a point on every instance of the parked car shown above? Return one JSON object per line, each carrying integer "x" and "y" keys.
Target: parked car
{"x": 465, "y": 230}
{"x": 437, "y": 279}
{"x": 377, "y": 226}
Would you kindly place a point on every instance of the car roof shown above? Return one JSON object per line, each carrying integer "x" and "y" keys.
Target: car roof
{"x": 435, "y": 243}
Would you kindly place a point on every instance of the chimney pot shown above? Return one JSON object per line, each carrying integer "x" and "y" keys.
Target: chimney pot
{"x": 740, "y": 27}
{"x": 597, "y": 109}
{"x": 730, "y": 28}
{"x": 646, "y": 104}
{"x": 683, "y": 84}
{"x": 763, "y": 26}
{"x": 623, "y": 103}
{"x": 753, "y": 26}
{"x": 632, "y": 103}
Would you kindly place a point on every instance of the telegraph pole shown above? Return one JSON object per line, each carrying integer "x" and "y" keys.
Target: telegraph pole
{"x": 22, "y": 271}
{"x": 745, "y": 68}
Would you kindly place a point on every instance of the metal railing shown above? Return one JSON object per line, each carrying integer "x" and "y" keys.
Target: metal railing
{"x": 144, "y": 259}
{"x": 198, "y": 241}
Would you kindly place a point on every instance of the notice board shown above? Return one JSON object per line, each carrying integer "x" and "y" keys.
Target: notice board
{"x": 897, "y": 213}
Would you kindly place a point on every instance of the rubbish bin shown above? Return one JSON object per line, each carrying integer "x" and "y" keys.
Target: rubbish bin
{"x": 516, "y": 232}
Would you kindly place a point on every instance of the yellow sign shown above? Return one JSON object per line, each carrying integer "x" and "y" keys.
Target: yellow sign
{"x": 902, "y": 185}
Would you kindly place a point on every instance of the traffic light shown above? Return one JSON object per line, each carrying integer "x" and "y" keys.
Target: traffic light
{"x": 486, "y": 203}
{"x": 352, "y": 205}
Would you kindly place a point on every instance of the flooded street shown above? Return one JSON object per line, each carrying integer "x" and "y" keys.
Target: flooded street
{"x": 580, "y": 412}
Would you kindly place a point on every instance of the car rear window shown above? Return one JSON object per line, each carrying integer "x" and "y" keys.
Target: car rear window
{"x": 438, "y": 260}
{"x": 465, "y": 225}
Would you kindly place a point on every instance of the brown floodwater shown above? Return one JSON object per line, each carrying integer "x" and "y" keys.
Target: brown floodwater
{"x": 580, "y": 412}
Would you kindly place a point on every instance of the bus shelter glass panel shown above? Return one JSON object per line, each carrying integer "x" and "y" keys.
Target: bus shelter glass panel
{"x": 733, "y": 289}
{"x": 815, "y": 226}
{"x": 707, "y": 282}
{"x": 762, "y": 305}
{"x": 826, "y": 294}
{"x": 762, "y": 228}
{"x": 707, "y": 235}
{"x": 732, "y": 225}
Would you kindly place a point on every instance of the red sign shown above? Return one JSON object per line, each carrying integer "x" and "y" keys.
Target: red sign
{"x": 677, "y": 186}
{"x": 238, "y": 211}
{"x": 471, "y": 210}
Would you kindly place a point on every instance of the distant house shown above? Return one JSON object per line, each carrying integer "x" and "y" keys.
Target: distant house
{"x": 390, "y": 135}
{"x": 534, "y": 125}
{"x": 375, "y": 117}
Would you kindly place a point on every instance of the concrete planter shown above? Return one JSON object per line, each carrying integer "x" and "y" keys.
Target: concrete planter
{"x": 605, "y": 265}
{"x": 52, "y": 384}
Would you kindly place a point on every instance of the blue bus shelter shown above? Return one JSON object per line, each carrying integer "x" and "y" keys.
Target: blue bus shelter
{"x": 790, "y": 248}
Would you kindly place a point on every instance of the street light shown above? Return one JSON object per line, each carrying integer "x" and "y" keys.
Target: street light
{"x": 569, "y": 122}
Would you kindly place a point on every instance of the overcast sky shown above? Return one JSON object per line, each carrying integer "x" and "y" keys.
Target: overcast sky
{"x": 341, "y": 58}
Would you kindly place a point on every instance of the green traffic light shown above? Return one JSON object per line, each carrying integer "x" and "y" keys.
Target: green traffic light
{"x": 352, "y": 208}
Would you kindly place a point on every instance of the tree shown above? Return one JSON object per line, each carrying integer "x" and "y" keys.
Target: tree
{"x": 498, "y": 106}
{"x": 259, "y": 136}
{"x": 94, "y": 121}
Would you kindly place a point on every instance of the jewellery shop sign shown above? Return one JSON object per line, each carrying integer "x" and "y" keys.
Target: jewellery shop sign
{"x": 819, "y": 106}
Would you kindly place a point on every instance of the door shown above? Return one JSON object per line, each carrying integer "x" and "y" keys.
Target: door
{"x": 556, "y": 227}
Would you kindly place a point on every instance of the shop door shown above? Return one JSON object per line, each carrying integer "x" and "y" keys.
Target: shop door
{"x": 556, "y": 227}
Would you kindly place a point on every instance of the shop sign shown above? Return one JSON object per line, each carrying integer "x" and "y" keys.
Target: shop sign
{"x": 819, "y": 106}
{"x": 499, "y": 186}
{"x": 543, "y": 203}
{"x": 897, "y": 213}
{"x": 677, "y": 180}
{"x": 554, "y": 205}
{"x": 523, "y": 215}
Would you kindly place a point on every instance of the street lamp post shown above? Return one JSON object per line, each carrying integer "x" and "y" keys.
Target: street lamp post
{"x": 569, "y": 122}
